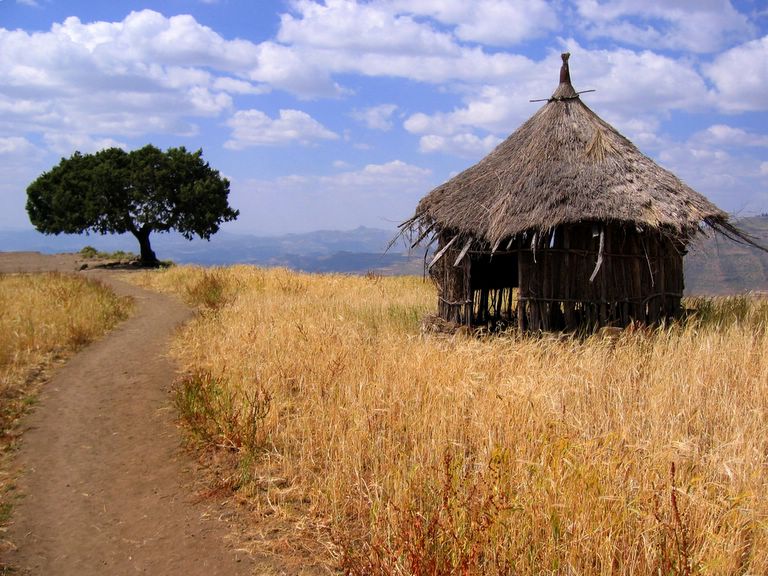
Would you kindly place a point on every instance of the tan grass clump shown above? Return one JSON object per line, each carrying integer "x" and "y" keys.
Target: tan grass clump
{"x": 644, "y": 452}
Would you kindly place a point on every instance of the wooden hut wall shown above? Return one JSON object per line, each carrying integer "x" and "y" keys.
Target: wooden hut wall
{"x": 640, "y": 279}
{"x": 477, "y": 290}
{"x": 454, "y": 303}
{"x": 543, "y": 283}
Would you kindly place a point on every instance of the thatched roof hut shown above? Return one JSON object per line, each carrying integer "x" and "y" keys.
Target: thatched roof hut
{"x": 565, "y": 225}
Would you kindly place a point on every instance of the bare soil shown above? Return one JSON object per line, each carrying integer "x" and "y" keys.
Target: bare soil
{"x": 104, "y": 485}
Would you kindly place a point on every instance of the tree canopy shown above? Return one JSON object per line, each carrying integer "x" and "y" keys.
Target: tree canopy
{"x": 143, "y": 191}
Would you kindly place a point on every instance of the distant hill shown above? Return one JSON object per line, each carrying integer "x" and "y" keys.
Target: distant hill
{"x": 714, "y": 264}
{"x": 350, "y": 251}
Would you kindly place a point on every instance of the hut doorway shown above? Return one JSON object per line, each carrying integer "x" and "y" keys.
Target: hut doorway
{"x": 476, "y": 287}
{"x": 493, "y": 282}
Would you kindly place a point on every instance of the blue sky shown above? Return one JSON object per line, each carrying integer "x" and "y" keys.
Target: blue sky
{"x": 335, "y": 114}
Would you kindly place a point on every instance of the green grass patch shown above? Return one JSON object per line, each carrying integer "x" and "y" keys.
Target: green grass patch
{"x": 90, "y": 253}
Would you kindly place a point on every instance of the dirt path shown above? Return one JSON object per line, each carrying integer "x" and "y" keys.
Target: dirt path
{"x": 105, "y": 484}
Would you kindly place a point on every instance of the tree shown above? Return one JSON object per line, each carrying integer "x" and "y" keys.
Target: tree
{"x": 143, "y": 191}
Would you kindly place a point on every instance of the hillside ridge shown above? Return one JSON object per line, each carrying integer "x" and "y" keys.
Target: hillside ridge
{"x": 714, "y": 265}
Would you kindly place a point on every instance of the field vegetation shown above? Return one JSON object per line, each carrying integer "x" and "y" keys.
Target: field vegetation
{"x": 389, "y": 451}
{"x": 91, "y": 253}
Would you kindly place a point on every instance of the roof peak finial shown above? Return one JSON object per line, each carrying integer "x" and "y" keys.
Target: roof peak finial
{"x": 565, "y": 73}
{"x": 565, "y": 90}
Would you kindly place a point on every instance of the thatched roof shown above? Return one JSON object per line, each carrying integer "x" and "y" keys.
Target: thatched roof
{"x": 565, "y": 165}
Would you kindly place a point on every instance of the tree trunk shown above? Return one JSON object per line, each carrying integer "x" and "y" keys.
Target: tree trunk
{"x": 148, "y": 257}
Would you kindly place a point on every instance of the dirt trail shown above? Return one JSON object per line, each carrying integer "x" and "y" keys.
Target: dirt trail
{"x": 104, "y": 477}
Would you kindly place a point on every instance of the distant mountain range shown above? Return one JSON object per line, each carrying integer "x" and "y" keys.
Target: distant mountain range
{"x": 714, "y": 264}
{"x": 352, "y": 251}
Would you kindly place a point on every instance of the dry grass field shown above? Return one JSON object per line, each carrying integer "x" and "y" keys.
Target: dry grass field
{"x": 376, "y": 449}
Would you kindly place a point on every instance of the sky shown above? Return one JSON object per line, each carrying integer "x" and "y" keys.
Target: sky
{"x": 336, "y": 114}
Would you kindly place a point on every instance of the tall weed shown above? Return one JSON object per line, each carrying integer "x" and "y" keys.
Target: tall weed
{"x": 219, "y": 415}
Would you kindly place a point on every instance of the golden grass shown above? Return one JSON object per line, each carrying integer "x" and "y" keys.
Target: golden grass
{"x": 44, "y": 316}
{"x": 645, "y": 453}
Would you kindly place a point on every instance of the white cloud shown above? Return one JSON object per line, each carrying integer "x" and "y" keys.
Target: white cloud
{"x": 148, "y": 53}
{"x": 493, "y": 108}
{"x": 351, "y": 27}
{"x": 377, "y": 195}
{"x": 376, "y": 117}
{"x": 207, "y": 103}
{"x": 235, "y": 86}
{"x": 497, "y": 22}
{"x": 16, "y": 146}
{"x": 741, "y": 77}
{"x": 643, "y": 131}
{"x": 764, "y": 168}
{"x": 297, "y": 71}
{"x": 399, "y": 27}
{"x": 465, "y": 145}
{"x": 20, "y": 163}
{"x": 712, "y": 163}
{"x": 724, "y": 135}
{"x": 393, "y": 173}
{"x": 178, "y": 40}
{"x": 255, "y": 128}
{"x": 635, "y": 83}
{"x": 65, "y": 144}
{"x": 467, "y": 65}
{"x": 633, "y": 90}
{"x": 145, "y": 74}
{"x": 692, "y": 25}
{"x": 373, "y": 39}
